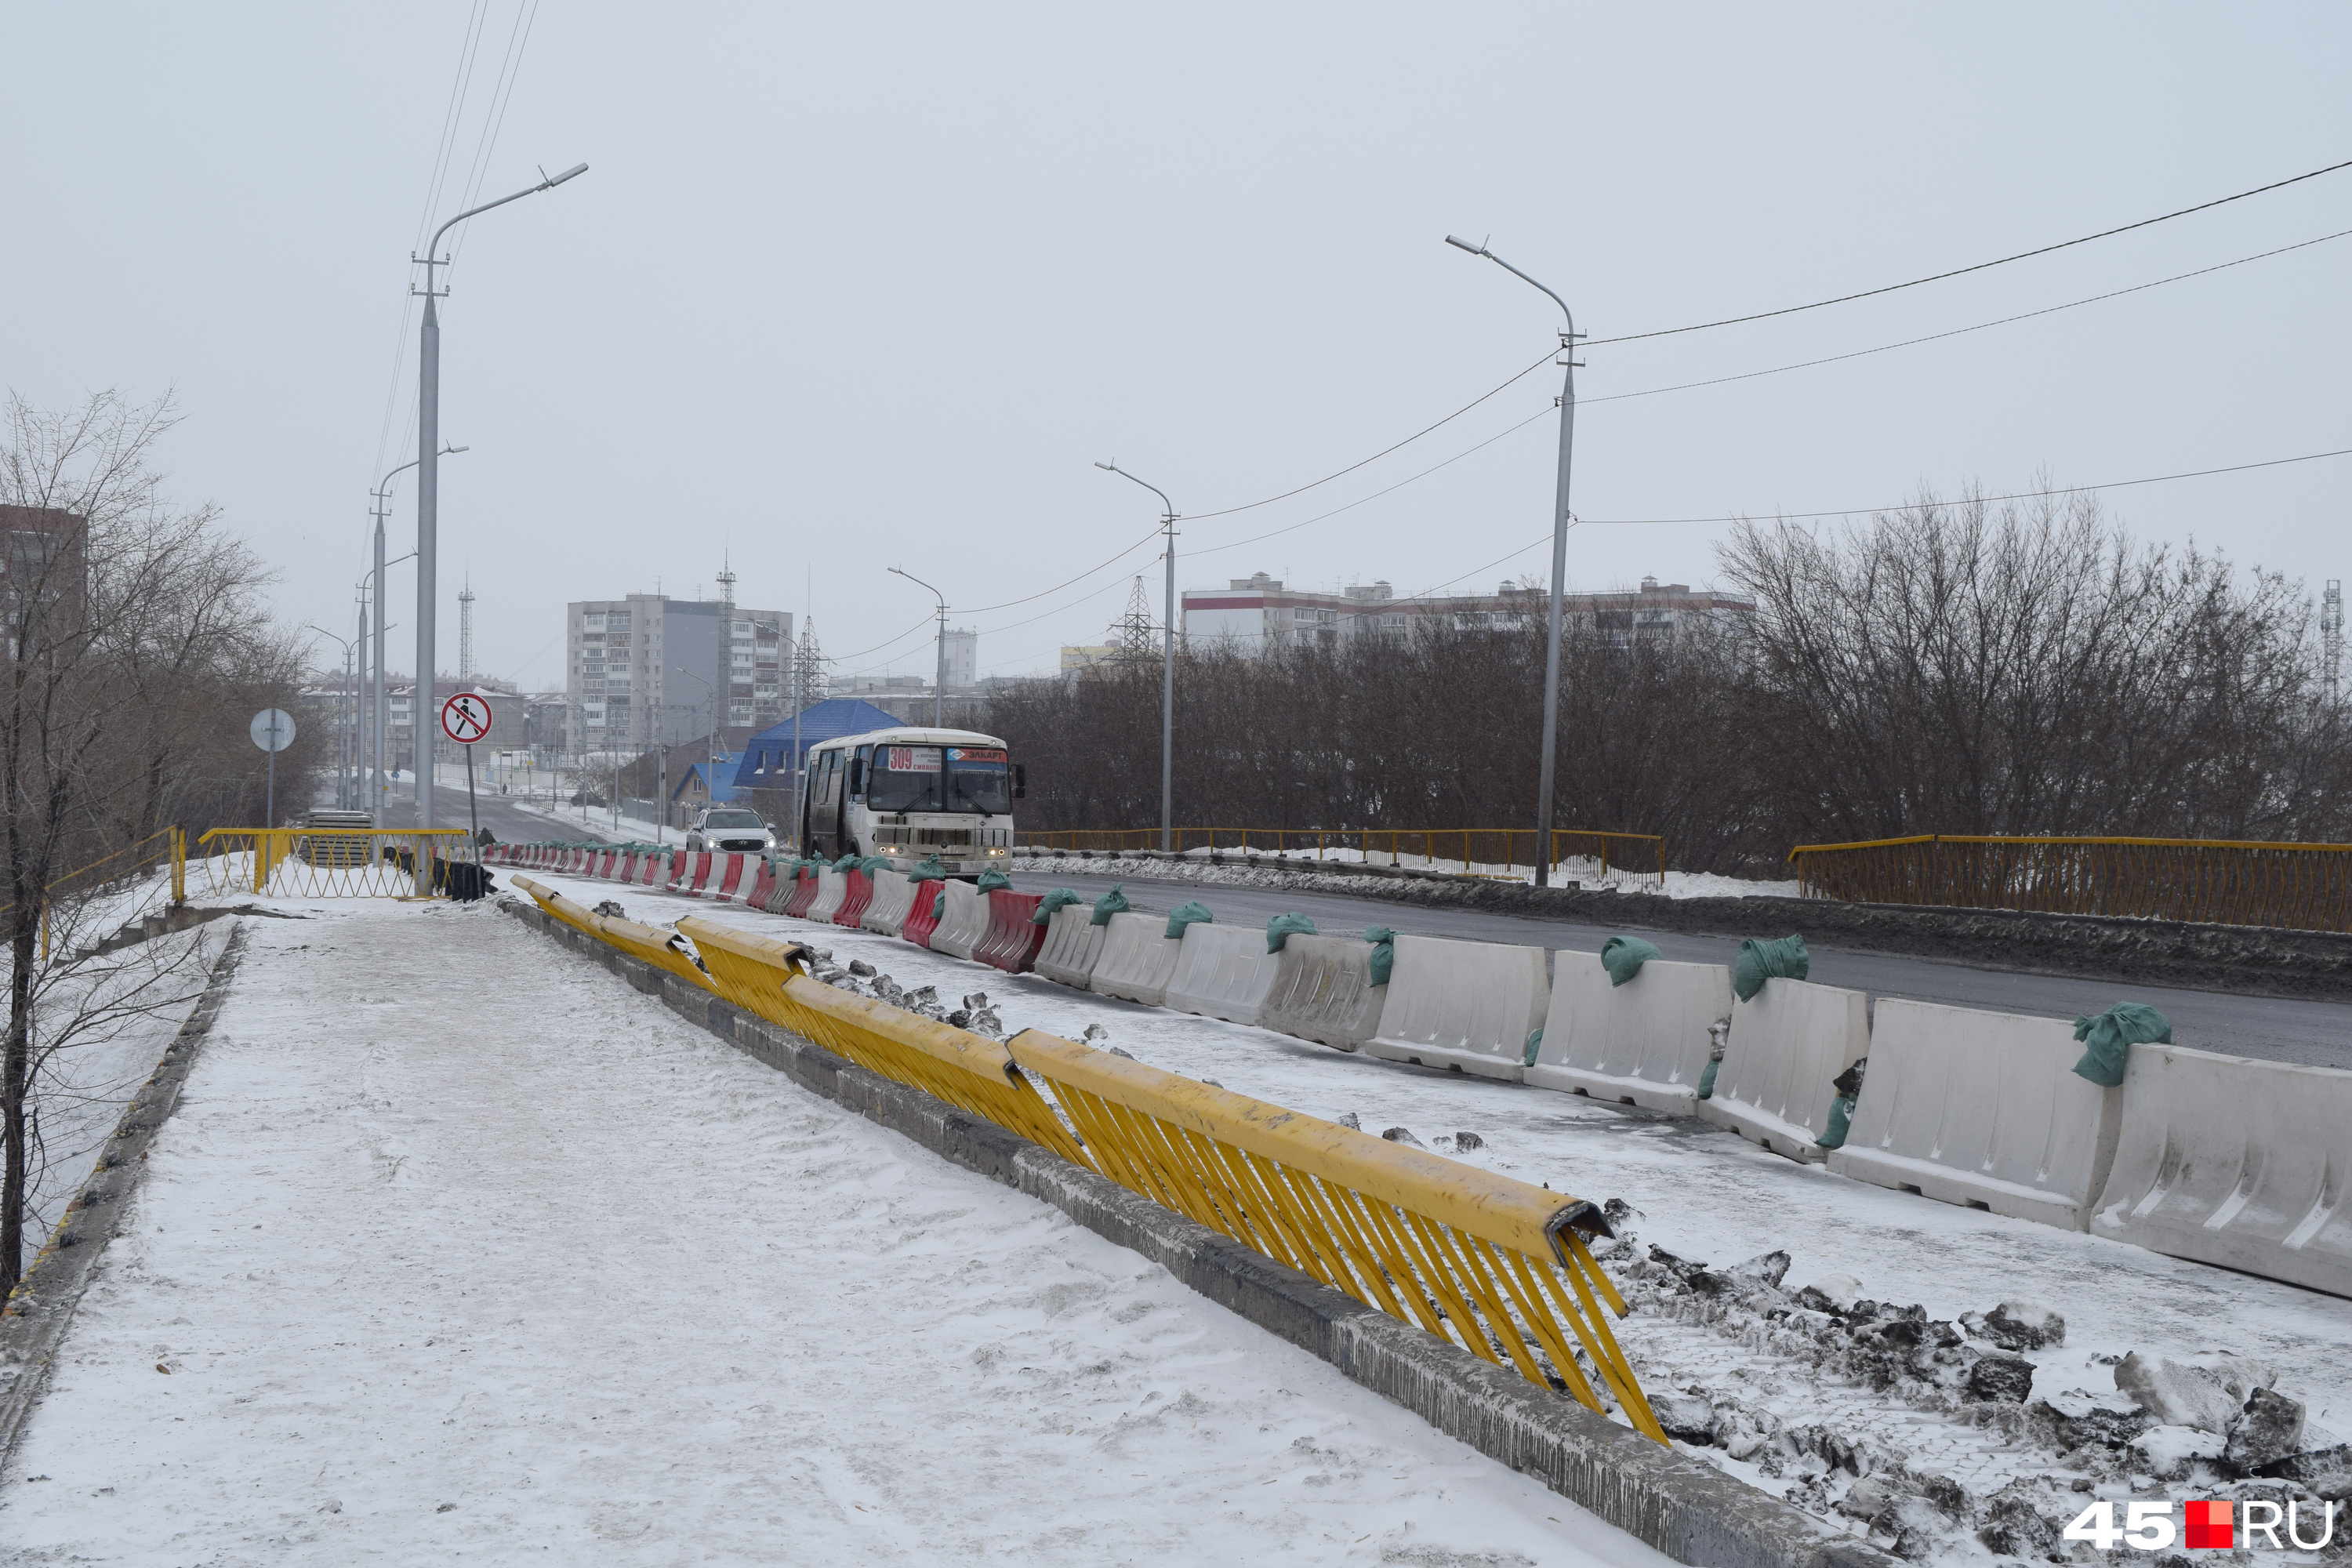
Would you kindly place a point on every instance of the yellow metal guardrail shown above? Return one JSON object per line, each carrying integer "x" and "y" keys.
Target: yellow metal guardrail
{"x": 2304, "y": 887}
{"x": 638, "y": 941}
{"x": 330, "y": 862}
{"x": 1494, "y": 1264}
{"x": 1627, "y": 856}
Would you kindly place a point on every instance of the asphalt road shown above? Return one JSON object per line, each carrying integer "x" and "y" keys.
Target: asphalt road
{"x": 507, "y": 821}
{"x": 2317, "y": 1034}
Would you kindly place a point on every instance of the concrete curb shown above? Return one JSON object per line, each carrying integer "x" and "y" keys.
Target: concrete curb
{"x": 1687, "y": 1509}
{"x": 2262, "y": 961}
{"x": 42, "y": 1307}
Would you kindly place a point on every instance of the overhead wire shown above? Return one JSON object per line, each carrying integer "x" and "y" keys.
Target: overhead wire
{"x": 1964, "y": 271}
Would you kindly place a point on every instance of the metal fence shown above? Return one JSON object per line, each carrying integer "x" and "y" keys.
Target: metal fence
{"x": 330, "y": 862}
{"x": 1578, "y": 853}
{"x": 2302, "y": 887}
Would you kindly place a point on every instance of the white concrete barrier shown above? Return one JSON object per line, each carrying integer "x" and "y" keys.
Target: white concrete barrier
{"x": 2233, "y": 1161}
{"x": 1644, "y": 1043}
{"x": 831, "y": 887}
{"x": 894, "y": 899}
{"x": 1468, "y": 1005}
{"x": 1323, "y": 992}
{"x": 1786, "y": 1045}
{"x": 1223, "y": 972}
{"x": 1137, "y": 959}
{"x": 1981, "y": 1108}
{"x": 963, "y": 922}
{"x": 1073, "y": 943}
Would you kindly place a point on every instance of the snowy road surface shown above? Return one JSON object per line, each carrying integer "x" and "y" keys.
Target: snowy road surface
{"x": 1707, "y": 1194}
{"x": 459, "y": 1248}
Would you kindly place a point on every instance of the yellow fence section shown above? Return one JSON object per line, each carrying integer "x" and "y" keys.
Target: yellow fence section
{"x": 1619, "y": 856}
{"x": 2304, "y": 887}
{"x": 331, "y": 862}
{"x": 1495, "y": 1265}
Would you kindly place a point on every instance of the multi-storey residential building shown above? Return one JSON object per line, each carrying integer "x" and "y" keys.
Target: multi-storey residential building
{"x": 648, "y": 670}
{"x": 1252, "y": 614}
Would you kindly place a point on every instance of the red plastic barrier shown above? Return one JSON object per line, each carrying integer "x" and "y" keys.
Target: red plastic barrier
{"x": 854, "y": 902}
{"x": 604, "y": 858}
{"x": 923, "y": 920}
{"x": 805, "y": 892}
{"x": 1011, "y": 939}
{"x": 731, "y": 878}
{"x": 763, "y": 885}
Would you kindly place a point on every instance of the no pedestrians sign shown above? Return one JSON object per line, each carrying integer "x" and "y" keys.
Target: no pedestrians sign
{"x": 466, "y": 718}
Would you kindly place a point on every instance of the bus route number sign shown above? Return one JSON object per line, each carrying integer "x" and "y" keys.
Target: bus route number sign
{"x": 910, "y": 758}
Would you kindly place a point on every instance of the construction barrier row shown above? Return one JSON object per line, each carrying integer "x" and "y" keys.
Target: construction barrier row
{"x": 2225, "y": 1160}
{"x": 1498, "y": 1267}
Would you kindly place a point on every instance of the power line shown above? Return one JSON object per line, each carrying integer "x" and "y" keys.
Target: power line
{"x": 1980, "y": 266}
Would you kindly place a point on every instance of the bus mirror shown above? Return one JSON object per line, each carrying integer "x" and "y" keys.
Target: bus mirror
{"x": 1020, "y": 782}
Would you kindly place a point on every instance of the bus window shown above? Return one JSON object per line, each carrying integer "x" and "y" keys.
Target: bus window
{"x": 980, "y": 780}
{"x": 905, "y": 778}
{"x": 861, "y": 774}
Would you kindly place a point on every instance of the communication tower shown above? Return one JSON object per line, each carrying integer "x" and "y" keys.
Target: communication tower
{"x": 2331, "y": 635}
{"x": 1133, "y": 631}
{"x": 726, "y": 583}
{"x": 466, "y": 631}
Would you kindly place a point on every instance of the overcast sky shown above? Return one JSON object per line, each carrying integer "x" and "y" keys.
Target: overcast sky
{"x": 848, "y": 288}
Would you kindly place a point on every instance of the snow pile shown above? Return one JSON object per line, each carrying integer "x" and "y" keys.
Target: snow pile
{"x": 1299, "y": 872}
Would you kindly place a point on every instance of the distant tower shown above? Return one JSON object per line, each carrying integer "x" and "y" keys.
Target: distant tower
{"x": 726, "y": 583}
{"x": 808, "y": 667}
{"x": 2331, "y": 635}
{"x": 1133, "y": 630}
{"x": 466, "y": 631}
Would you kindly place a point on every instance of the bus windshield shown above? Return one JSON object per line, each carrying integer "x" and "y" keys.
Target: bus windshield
{"x": 979, "y": 779}
{"x": 905, "y": 778}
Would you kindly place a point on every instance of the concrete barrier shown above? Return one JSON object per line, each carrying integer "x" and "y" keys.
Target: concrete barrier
{"x": 1466, "y": 1006}
{"x": 1073, "y": 942}
{"x": 1222, "y": 972}
{"x": 1644, "y": 1043}
{"x": 921, "y": 919}
{"x": 1137, "y": 961}
{"x": 2233, "y": 1161}
{"x": 964, "y": 923}
{"x": 854, "y": 899}
{"x": 1787, "y": 1043}
{"x": 886, "y": 912}
{"x": 1981, "y": 1108}
{"x": 1012, "y": 938}
{"x": 831, "y": 887}
{"x": 1323, "y": 992}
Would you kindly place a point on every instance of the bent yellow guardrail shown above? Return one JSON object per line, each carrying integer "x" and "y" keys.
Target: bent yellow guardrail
{"x": 638, "y": 941}
{"x": 1486, "y": 1261}
{"x": 769, "y": 980}
{"x": 1427, "y": 1240}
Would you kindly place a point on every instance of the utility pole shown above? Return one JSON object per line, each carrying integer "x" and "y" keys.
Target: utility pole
{"x": 939, "y": 680}
{"x": 428, "y": 482}
{"x": 1560, "y": 521}
{"x": 2331, "y": 634}
{"x": 1167, "y": 668}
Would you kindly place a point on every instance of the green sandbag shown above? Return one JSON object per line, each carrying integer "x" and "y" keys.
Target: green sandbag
{"x": 1707, "y": 1079}
{"x": 847, "y": 863}
{"x": 1782, "y": 958}
{"x": 1535, "y": 1044}
{"x": 1623, "y": 957}
{"x": 1192, "y": 911}
{"x": 1280, "y": 928}
{"x": 928, "y": 870}
{"x": 2112, "y": 1034}
{"x": 1384, "y": 959}
{"x": 873, "y": 863}
{"x": 806, "y": 870}
{"x": 939, "y": 905}
{"x": 1049, "y": 903}
{"x": 992, "y": 878}
{"x": 1111, "y": 903}
{"x": 1841, "y": 1122}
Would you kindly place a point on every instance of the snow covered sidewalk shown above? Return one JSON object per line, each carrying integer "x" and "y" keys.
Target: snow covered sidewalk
{"x": 458, "y": 1246}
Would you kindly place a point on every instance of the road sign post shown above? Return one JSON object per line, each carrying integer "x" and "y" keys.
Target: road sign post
{"x": 273, "y": 731}
{"x": 466, "y": 719}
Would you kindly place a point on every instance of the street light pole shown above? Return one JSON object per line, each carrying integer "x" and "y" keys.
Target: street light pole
{"x": 1560, "y": 524}
{"x": 343, "y": 730}
{"x": 940, "y": 679}
{"x": 383, "y": 494}
{"x": 428, "y": 482}
{"x": 1167, "y": 668}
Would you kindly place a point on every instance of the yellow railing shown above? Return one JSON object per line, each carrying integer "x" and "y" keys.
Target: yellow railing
{"x": 331, "y": 862}
{"x": 1489, "y": 1262}
{"x": 2304, "y": 887}
{"x": 1619, "y": 856}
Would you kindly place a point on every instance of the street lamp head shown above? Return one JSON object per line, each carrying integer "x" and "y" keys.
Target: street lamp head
{"x": 446, "y": 449}
{"x": 555, "y": 180}
{"x": 1466, "y": 244}
{"x": 1107, "y": 468}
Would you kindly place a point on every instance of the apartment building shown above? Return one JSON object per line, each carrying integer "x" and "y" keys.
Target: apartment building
{"x": 647, "y": 670}
{"x": 1255, "y": 613}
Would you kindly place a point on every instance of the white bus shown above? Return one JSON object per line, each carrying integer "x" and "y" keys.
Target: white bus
{"x": 909, "y": 793}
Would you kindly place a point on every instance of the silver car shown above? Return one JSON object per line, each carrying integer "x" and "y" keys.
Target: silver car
{"x": 729, "y": 827}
